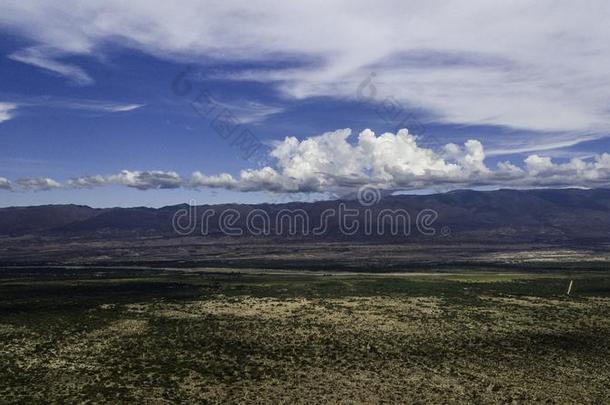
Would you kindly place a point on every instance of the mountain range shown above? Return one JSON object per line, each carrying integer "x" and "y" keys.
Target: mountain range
{"x": 544, "y": 215}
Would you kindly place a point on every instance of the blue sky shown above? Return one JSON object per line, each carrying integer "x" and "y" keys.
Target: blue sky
{"x": 88, "y": 114}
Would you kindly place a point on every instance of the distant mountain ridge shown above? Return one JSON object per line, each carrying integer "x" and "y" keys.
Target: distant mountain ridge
{"x": 508, "y": 215}
{"x": 43, "y": 218}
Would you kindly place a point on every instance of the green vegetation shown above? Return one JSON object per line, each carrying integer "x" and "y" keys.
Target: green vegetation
{"x": 127, "y": 335}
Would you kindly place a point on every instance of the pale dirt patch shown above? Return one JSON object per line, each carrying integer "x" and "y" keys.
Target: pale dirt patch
{"x": 126, "y": 327}
{"x": 376, "y": 311}
{"x": 70, "y": 354}
{"x": 558, "y": 255}
{"x": 537, "y": 302}
{"x": 9, "y": 329}
{"x": 19, "y": 343}
{"x": 264, "y": 308}
{"x": 393, "y": 384}
{"x": 390, "y": 315}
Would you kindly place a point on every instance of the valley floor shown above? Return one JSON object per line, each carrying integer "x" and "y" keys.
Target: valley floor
{"x": 157, "y": 336}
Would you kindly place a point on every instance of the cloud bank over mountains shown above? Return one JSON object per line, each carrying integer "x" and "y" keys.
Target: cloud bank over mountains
{"x": 340, "y": 162}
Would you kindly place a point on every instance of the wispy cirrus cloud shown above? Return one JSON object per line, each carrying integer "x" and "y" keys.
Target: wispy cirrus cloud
{"x": 8, "y": 109}
{"x": 48, "y": 59}
{"x": 248, "y": 112}
{"x": 87, "y": 105}
{"x": 548, "y": 142}
{"x": 521, "y": 65}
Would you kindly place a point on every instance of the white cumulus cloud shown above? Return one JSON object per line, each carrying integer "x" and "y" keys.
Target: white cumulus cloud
{"x": 340, "y": 162}
{"x": 46, "y": 58}
{"x": 333, "y": 162}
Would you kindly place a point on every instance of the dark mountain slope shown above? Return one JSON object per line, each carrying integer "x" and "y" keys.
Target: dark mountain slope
{"x": 40, "y": 219}
{"x": 505, "y": 215}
